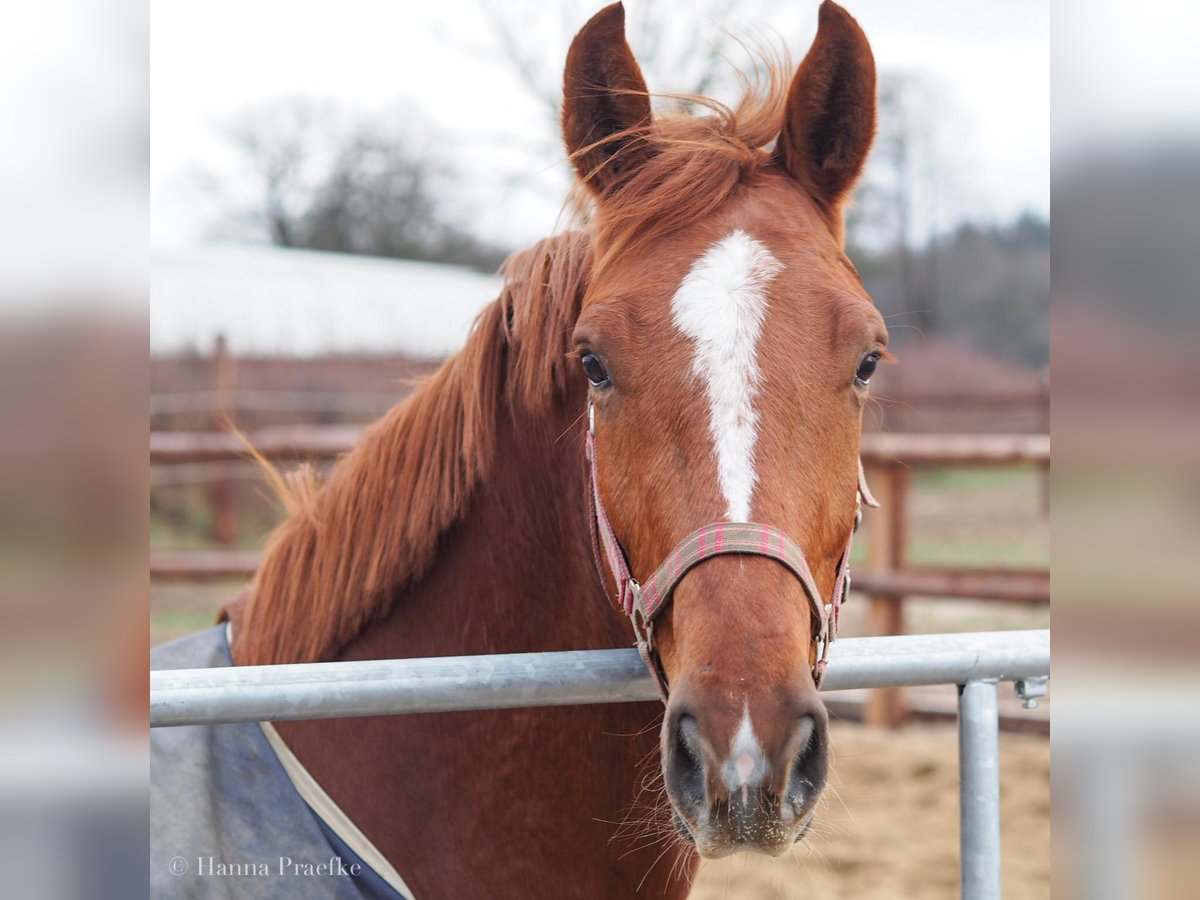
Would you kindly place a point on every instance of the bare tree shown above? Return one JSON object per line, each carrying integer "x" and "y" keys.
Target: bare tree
{"x": 279, "y": 149}
{"x": 988, "y": 283}
{"x": 678, "y": 53}
{"x": 694, "y": 52}
{"x": 315, "y": 175}
{"x": 899, "y": 203}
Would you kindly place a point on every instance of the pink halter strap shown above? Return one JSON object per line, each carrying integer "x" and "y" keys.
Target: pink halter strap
{"x": 644, "y": 602}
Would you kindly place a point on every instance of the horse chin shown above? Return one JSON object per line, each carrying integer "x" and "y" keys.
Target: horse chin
{"x": 722, "y": 848}
{"x": 800, "y": 835}
{"x": 719, "y": 846}
{"x": 681, "y": 827}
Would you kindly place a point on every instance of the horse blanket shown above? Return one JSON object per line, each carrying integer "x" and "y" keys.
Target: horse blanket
{"x": 235, "y": 816}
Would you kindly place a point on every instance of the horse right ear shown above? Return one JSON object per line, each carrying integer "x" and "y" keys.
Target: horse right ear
{"x": 830, "y": 119}
{"x": 606, "y": 107}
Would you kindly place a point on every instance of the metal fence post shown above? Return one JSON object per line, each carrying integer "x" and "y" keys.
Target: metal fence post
{"x": 222, "y": 498}
{"x": 979, "y": 789}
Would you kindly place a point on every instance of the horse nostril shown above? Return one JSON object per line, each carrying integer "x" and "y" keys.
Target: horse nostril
{"x": 685, "y": 766}
{"x": 810, "y": 764}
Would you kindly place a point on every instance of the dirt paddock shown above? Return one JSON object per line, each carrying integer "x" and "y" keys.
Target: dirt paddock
{"x": 888, "y": 827}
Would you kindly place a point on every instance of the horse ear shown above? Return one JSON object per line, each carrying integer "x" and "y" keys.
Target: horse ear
{"x": 606, "y": 108}
{"x": 830, "y": 120}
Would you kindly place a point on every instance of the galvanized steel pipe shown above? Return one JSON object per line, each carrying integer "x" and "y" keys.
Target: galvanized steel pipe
{"x": 979, "y": 790}
{"x": 446, "y": 684}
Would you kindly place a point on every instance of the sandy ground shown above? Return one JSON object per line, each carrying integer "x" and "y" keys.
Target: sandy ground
{"x": 889, "y": 825}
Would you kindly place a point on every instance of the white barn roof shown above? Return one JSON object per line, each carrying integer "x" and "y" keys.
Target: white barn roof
{"x": 284, "y": 302}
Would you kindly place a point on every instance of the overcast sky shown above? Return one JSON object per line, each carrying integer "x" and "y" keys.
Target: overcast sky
{"x": 990, "y": 59}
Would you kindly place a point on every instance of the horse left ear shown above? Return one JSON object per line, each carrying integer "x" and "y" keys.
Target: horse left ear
{"x": 830, "y": 119}
{"x": 606, "y": 107}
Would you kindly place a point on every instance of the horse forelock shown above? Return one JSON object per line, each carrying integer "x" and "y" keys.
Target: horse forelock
{"x": 696, "y": 163}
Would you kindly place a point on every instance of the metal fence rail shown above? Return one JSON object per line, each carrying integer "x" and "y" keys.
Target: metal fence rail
{"x": 974, "y": 661}
{"x": 456, "y": 683}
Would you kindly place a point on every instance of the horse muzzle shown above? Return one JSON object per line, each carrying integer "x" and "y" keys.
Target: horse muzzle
{"x": 757, "y": 791}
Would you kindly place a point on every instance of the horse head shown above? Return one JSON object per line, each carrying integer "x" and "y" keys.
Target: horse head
{"x": 729, "y": 342}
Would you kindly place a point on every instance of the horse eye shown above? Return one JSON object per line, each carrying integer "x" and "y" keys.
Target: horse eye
{"x": 866, "y": 368}
{"x": 594, "y": 369}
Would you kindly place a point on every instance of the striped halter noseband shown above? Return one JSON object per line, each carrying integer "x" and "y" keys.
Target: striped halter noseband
{"x": 644, "y": 602}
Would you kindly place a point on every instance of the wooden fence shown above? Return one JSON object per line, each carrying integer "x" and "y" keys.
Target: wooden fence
{"x": 327, "y": 442}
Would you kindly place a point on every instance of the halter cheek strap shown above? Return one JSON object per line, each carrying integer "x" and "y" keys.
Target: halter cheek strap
{"x": 644, "y": 602}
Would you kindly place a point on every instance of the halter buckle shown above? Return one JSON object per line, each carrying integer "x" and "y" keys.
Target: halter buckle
{"x": 643, "y": 627}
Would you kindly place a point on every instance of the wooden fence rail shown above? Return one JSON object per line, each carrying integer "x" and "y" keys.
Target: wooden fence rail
{"x": 260, "y": 400}
{"x": 326, "y": 441}
{"x": 1002, "y": 586}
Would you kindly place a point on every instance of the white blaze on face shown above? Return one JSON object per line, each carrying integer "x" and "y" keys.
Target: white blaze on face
{"x": 746, "y": 765}
{"x": 721, "y": 305}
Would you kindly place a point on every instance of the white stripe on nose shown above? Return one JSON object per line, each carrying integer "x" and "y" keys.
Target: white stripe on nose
{"x": 720, "y": 305}
{"x": 746, "y": 766}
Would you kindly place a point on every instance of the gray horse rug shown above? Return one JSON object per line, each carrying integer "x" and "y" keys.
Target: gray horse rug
{"x": 235, "y": 816}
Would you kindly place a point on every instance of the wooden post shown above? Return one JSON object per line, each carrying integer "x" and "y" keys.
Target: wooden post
{"x": 1044, "y": 427}
{"x": 222, "y": 500}
{"x": 887, "y": 538}
{"x": 894, "y": 415}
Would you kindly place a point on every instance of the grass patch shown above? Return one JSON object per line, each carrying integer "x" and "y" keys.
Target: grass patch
{"x": 979, "y": 553}
{"x": 183, "y": 620}
{"x": 976, "y": 479}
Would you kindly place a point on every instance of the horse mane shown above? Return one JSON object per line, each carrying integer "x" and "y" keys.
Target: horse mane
{"x": 350, "y": 545}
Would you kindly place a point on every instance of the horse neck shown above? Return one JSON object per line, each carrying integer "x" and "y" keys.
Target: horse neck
{"x": 516, "y": 573}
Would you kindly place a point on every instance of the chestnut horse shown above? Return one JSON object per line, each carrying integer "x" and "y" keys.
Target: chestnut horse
{"x": 710, "y": 318}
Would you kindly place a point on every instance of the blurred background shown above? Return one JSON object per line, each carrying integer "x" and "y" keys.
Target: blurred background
{"x": 74, "y": 161}
{"x": 1126, "y": 161}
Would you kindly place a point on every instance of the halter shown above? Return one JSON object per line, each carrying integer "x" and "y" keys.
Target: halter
{"x": 644, "y": 602}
